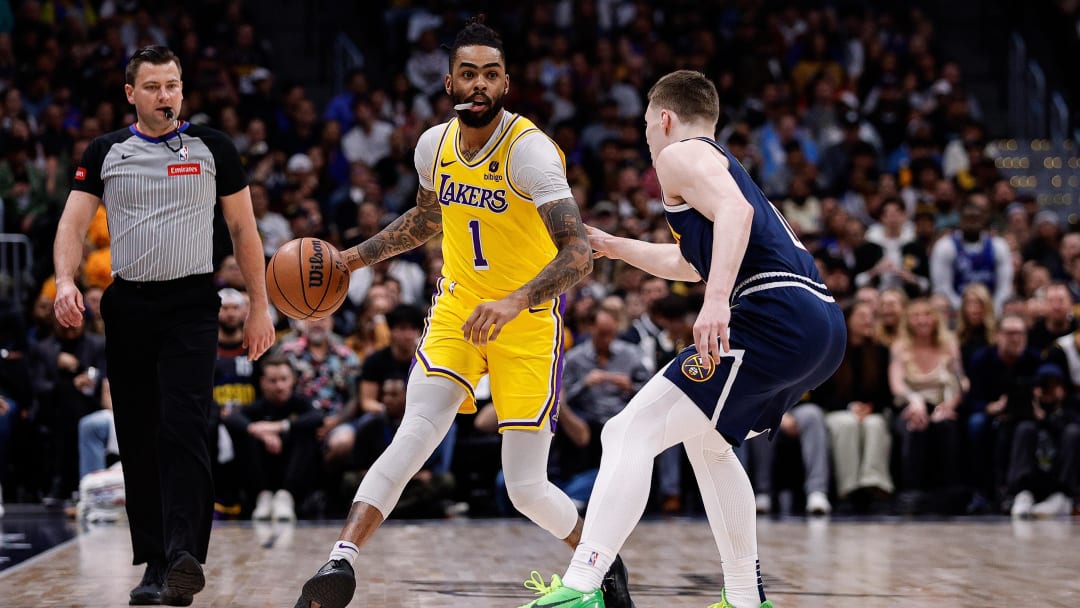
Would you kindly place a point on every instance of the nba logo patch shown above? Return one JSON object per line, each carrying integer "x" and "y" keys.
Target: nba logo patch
{"x": 593, "y": 557}
{"x": 694, "y": 368}
{"x": 183, "y": 153}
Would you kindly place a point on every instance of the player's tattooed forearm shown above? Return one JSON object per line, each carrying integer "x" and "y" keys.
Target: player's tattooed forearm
{"x": 412, "y": 228}
{"x": 574, "y": 259}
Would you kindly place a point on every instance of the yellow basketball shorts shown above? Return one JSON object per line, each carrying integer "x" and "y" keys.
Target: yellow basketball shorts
{"x": 524, "y": 361}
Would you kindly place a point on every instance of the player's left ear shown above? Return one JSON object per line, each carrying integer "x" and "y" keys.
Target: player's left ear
{"x": 507, "y": 88}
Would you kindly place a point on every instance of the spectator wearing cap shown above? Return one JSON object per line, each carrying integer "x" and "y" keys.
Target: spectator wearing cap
{"x": 1045, "y": 457}
{"x": 604, "y": 215}
{"x": 971, "y": 255}
{"x": 1044, "y": 246}
{"x": 234, "y": 390}
{"x": 1018, "y": 224}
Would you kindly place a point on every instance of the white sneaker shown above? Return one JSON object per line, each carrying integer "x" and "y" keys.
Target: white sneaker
{"x": 763, "y": 503}
{"x": 283, "y": 506}
{"x": 817, "y": 503}
{"x": 1056, "y": 505}
{"x": 263, "y": 505}
{"x": 1022, "y": 504}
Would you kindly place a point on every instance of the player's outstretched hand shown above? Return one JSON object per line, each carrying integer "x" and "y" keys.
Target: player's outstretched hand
{"x": 488, "y": 319}
{"x": 601, "y": 242}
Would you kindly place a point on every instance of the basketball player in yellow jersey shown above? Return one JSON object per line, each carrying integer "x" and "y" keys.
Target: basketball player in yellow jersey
{"x": 513, "y": 242}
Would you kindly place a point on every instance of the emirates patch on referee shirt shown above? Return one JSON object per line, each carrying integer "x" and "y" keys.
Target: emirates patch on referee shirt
{"x": 80, "y": 174}
{"x": 185, "y": 169}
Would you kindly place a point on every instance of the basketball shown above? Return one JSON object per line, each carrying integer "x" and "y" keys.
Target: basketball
{"x": 307, "y": 279}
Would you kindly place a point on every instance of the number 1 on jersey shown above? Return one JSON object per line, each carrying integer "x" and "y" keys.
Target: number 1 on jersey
{"x": 479, "y": 262}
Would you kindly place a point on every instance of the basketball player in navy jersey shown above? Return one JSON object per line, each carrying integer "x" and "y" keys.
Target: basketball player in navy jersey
{"x": 768, "y": 331}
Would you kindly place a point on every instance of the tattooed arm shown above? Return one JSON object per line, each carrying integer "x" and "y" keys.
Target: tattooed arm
{"x": 571, "y": 263}
{"x": 412, "y": 229}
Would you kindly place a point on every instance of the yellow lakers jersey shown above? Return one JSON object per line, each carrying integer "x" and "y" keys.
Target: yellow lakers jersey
{"x": 493, "y": 238}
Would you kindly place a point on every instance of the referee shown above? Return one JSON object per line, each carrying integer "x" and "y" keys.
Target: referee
{"x": 159, "y": 180}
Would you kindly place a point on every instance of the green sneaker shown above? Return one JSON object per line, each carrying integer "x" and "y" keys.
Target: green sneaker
{"x": 557, "y": 595}
{"x": 725, "y": 604}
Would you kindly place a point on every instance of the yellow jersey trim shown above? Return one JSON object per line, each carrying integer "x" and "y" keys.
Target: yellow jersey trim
{"x": 495, "y": 146}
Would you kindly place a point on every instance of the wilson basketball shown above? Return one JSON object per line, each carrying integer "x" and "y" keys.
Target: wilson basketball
{"x": 307, "y": 279}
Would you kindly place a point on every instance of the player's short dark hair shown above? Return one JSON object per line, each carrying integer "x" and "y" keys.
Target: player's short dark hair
{"x": 688, "y": 94}
{"x": 475, "y": 33}
{"x": 154, "y": 55}
{"x": 405, "y": 315}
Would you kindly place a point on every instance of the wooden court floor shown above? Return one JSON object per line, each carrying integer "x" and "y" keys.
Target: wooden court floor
{"x": 673, "y": 563}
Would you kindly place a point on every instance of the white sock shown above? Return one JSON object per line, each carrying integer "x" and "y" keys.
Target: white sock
{"x": 587, "y": 569}
{"x": 742, "y": 582}
{"x": 345, "y": 550}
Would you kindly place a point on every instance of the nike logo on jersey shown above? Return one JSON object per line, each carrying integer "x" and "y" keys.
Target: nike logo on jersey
{"x": 446, "y": 163}
{"x": 126, "y": 156}
{"x": 537, "y": 309}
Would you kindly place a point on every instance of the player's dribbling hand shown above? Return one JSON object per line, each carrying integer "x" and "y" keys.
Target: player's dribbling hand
{"x": 68, "y": 305}
{"x": 710, "y": 331}
{"x": 258, "y": 333}
{"x": 488, "y": 319}
{"x": 600, "y": 242}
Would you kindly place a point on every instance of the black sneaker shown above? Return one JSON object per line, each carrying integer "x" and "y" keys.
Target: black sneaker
{"x": 182, "y": 581}
{"x": 616, "y": 586}
{"x": 148, "y": 591}
{"x": 332, "y": 586}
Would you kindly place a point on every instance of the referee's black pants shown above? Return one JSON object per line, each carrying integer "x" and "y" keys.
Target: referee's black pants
{"x": 161, "y": 344}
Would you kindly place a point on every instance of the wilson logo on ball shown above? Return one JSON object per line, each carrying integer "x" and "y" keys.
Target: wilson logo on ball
{"x": 315, "y": 269}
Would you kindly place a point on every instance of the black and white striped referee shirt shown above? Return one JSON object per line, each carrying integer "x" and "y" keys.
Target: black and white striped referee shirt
{"x": 159, "y": 197}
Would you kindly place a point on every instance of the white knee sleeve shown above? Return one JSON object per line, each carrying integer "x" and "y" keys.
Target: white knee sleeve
{"x": 431, "y": 403}
{"x": 524, "y": 460}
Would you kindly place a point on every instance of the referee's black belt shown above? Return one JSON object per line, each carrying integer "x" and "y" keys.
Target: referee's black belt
{"x": 188, "y": 282}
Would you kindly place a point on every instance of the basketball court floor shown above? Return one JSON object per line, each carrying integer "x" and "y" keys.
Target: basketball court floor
{"x": 673, "y": 563}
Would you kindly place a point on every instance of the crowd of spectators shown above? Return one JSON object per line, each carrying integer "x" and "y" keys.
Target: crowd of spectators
{"x": 958, "y": 392}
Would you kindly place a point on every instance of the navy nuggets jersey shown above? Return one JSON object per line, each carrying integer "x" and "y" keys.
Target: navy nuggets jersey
{"x": 773, "y": 246}
{"x": 787, "y": 333}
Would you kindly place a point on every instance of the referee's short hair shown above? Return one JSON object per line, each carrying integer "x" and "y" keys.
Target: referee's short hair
{"x": 155, "y": 55}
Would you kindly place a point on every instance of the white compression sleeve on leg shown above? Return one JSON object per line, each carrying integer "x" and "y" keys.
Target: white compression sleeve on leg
{"x": 524, "y": 461}
{"x": 729, "y": 504}
{"x": 431, "y": 403}
{"x": 658, "y": 417}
